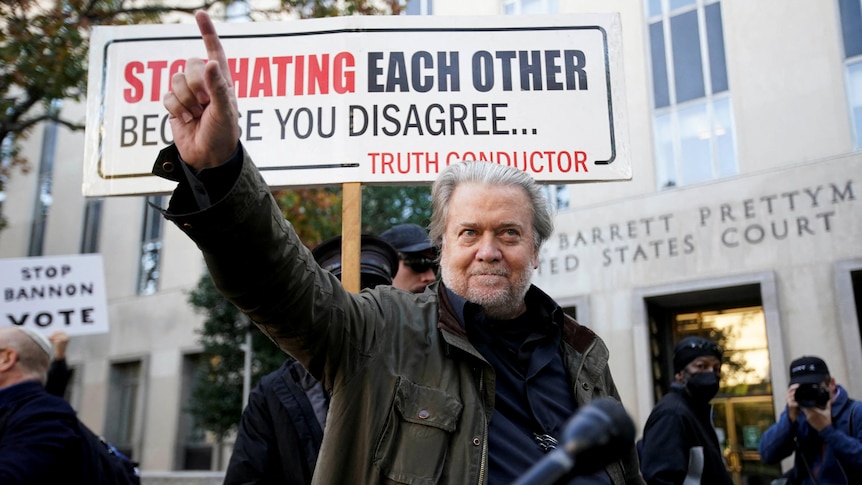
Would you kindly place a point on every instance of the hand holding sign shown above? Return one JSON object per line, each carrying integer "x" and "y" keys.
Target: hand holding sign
{"x": 202, "y": 105}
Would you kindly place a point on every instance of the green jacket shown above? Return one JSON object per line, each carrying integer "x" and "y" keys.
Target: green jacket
{"x": 411, "y": 397}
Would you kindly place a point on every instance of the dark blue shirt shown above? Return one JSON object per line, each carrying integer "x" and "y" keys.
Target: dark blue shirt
{"x": 532, "y": 396}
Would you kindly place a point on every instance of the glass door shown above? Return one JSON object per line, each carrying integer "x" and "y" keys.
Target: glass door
{"x": 739, "y": 424}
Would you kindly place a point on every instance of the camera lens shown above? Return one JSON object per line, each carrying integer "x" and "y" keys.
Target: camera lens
{"x": 811, "y": 395}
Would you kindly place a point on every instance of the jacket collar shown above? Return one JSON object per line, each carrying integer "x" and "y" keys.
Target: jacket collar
{"x": 19, "y": 391}
{"x": 453, "y": 306}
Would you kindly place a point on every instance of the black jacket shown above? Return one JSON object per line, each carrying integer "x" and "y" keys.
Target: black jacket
{"x": 279, "y": 434}
{"x": 40, "y": 441}
{"x": 679, "y": 443}
{"x": 59, "y": 376}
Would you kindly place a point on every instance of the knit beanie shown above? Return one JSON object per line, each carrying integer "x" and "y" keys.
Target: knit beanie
{"x": 691, "y": 348}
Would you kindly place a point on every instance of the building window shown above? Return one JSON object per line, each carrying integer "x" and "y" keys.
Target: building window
{"x": 419, "y": 7}
{"x": 851, "y": 28}
{"x": 848, "y": 295}
{"x": 92, "y": 223}
{"x": 693, "y": 121}
{"x": 527, "y": 7}
{"x": 122, "y": 411}
{"x": 151, "y": 247}
{"x": 194, "y": 450}
{"x": 556, "y": 195}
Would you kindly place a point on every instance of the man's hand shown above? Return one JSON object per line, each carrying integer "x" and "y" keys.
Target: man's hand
{"x": 819, "y": 418}
{"x": 60, "y": 340}
{"x": 792, "y": 405}
{"x": 202, "y": 105}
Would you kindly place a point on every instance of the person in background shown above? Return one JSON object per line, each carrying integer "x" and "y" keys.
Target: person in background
{"x": 820, "y": 424}
{"x": 40, "y": 439}
{"x": 281, "y": 428}
{"x": 417, "y": 257}
{"x": 59, "y": 373}
{"x": 471, "y": 381}
{"x": 679, "y": 444}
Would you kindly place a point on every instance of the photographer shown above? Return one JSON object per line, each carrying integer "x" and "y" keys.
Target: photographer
{"x": 817, "y": 426}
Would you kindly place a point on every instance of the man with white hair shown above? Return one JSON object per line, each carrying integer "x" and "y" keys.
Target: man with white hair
{"x": 40, "y": 440}
{"x": 471, "y": 381}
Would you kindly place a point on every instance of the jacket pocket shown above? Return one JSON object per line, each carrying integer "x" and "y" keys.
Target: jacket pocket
{"x": 413, "y": 446}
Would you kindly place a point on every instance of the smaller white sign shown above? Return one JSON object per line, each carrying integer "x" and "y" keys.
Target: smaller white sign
{"x": 54, "y": 293}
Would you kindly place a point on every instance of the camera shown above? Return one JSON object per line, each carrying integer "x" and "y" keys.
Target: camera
{"x": 811, "y": 396}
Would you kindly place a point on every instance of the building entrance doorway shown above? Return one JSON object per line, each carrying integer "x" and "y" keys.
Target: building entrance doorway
{"x": 743, "y": 408}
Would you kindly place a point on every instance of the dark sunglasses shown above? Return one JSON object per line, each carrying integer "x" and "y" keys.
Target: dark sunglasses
{"x": 420, "y": 265}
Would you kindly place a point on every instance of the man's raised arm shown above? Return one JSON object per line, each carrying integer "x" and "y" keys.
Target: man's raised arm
{"x": 202, "y": 105}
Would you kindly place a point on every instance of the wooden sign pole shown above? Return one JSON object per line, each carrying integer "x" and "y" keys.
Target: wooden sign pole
{"x": 351, "y": 231}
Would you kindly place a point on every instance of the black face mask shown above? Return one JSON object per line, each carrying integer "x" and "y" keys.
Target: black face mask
{"x": 702, "y": 386}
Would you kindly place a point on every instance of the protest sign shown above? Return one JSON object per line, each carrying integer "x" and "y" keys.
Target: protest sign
{"x": 54, "y": 293}
{"x": 374, "y": 100}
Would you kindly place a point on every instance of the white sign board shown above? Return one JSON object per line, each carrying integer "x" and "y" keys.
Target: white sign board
{"x": 374, "y": 99}
{"x": 54, "y": 293}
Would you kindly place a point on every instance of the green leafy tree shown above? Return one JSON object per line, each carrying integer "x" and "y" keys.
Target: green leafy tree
{"x": 43, "y": 60}
{"x": 331, "y": 8}
{"x": 216, "y": 400}
{"x": 385, "y": 206}
{"x": 44, "y": 47}
{"x": 314, "y": 213}
{"x": 217, "y": 393}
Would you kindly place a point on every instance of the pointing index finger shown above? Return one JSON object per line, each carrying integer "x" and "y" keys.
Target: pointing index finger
{"x": 215, "y": 51}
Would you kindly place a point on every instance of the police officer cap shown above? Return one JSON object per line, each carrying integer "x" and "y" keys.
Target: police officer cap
{"x": 407, "y": 238}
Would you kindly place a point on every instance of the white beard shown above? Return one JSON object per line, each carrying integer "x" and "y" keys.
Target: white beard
{"x": 503, "y": 303}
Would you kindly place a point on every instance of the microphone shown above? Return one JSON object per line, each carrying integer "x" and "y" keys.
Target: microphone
{"x": 598, "y": 434}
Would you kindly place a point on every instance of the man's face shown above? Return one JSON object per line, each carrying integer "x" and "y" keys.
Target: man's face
{"x": 488, "y": 256}
{"x": 415, "y": 271}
